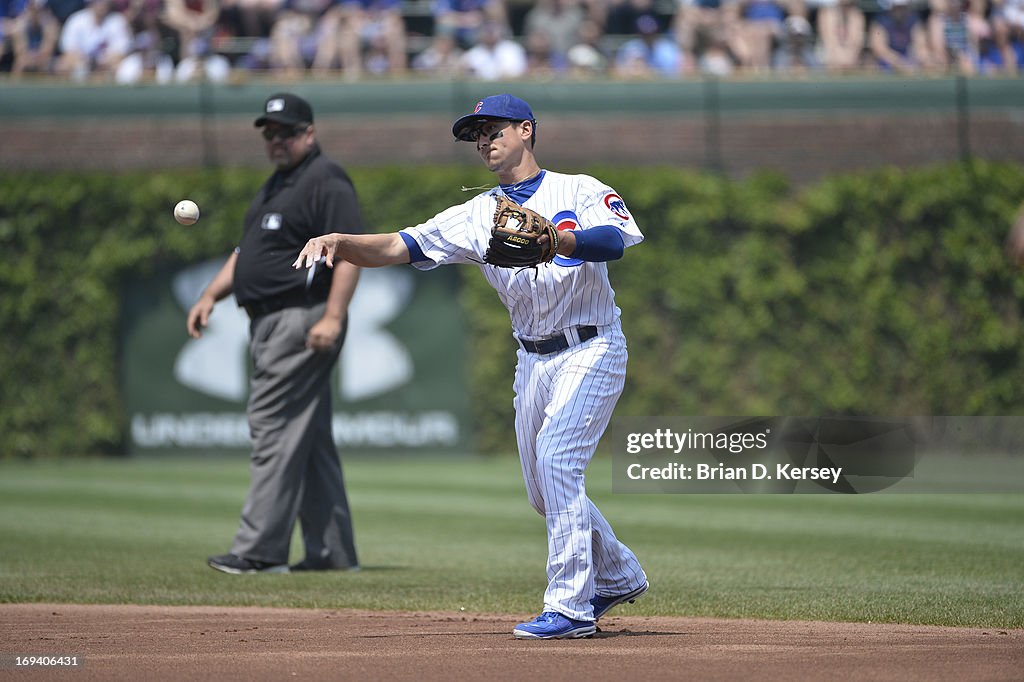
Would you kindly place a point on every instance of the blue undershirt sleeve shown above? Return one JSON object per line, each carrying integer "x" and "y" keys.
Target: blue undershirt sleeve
{"x": 596, "y": 244}
{"x": 415, "y": 252}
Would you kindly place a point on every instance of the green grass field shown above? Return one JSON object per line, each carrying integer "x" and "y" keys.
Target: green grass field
{"x": 457, "y": 533}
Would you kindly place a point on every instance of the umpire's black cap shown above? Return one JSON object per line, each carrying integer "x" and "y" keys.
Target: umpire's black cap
{"x": 286, "y": 109}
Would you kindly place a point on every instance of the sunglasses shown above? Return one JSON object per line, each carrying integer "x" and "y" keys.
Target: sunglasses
{"x": 283, "y": 133}
{"x": 476, "y": 134}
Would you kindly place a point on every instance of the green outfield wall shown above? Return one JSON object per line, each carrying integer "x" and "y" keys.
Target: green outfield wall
{"x": 577, "y": 98}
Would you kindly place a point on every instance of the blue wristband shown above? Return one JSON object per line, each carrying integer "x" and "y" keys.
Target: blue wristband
{"x": 597, "y": 244}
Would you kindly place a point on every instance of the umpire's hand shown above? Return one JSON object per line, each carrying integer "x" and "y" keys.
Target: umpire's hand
{"x": 199, "y": 316}
{"x": 324, "y": 334}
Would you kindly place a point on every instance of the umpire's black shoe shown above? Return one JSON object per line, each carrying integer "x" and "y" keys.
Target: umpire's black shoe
{"x": 236, "y": 565}
{"x": 314, "y": 565}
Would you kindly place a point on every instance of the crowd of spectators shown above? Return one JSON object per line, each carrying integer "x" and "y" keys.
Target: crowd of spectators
{"x": 130, "y": 41}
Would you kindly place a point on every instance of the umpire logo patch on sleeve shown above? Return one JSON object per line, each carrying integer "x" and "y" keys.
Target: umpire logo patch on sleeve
{"x": 271, "y": 221}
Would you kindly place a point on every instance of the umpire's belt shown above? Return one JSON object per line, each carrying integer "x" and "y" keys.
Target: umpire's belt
{"x": 272, "y": 305}
{"x": 558, "y": 342}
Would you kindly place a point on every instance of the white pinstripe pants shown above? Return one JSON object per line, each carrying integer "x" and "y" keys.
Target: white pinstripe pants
{"x": 564, "y": 402}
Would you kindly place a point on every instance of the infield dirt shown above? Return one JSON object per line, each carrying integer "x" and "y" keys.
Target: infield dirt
{"x": 229, "y": 643}
{"x": 213, "y": 643}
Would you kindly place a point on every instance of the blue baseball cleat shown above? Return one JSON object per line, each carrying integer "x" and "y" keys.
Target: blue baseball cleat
{"x": 603, "y": 605}
{"x": 551, "y": 625}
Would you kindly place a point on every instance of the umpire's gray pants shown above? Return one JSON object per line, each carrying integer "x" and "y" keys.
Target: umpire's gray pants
{"x": 295, "y": 468}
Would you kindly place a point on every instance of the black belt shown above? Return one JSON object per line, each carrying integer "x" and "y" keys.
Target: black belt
{"x": 553, "y": 344}
{"x": 272, "y": 305}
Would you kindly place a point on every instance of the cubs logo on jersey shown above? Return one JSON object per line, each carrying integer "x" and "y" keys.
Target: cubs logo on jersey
{"x": 566, "y": 220}
{"x": 614, "y": 203}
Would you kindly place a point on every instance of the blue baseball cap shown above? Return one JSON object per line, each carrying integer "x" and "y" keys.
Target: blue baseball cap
{"x": 501, "y": 107}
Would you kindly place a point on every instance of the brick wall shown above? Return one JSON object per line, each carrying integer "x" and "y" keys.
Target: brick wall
{"x": 802, "y": 146}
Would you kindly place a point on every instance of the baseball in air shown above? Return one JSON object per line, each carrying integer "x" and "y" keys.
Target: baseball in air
{"x": 186, "y": 212}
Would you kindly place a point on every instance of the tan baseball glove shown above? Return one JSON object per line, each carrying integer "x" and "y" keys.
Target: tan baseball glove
{"x": 518, "y": 245}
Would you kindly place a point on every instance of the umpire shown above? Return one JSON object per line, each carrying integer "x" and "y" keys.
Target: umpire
{"x": 298, "y": 322}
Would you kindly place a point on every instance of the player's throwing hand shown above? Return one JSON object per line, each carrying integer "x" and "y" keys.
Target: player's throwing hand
{"x": 319, "y": 247}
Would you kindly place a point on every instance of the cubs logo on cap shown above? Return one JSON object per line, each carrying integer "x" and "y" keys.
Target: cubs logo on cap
{"x": 496, "y": 107}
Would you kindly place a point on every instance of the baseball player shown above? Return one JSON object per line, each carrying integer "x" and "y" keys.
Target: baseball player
{"x": 572, "y": 353}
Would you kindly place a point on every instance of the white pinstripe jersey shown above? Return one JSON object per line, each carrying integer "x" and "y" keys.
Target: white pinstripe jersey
{"x": 559, "y": 295}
